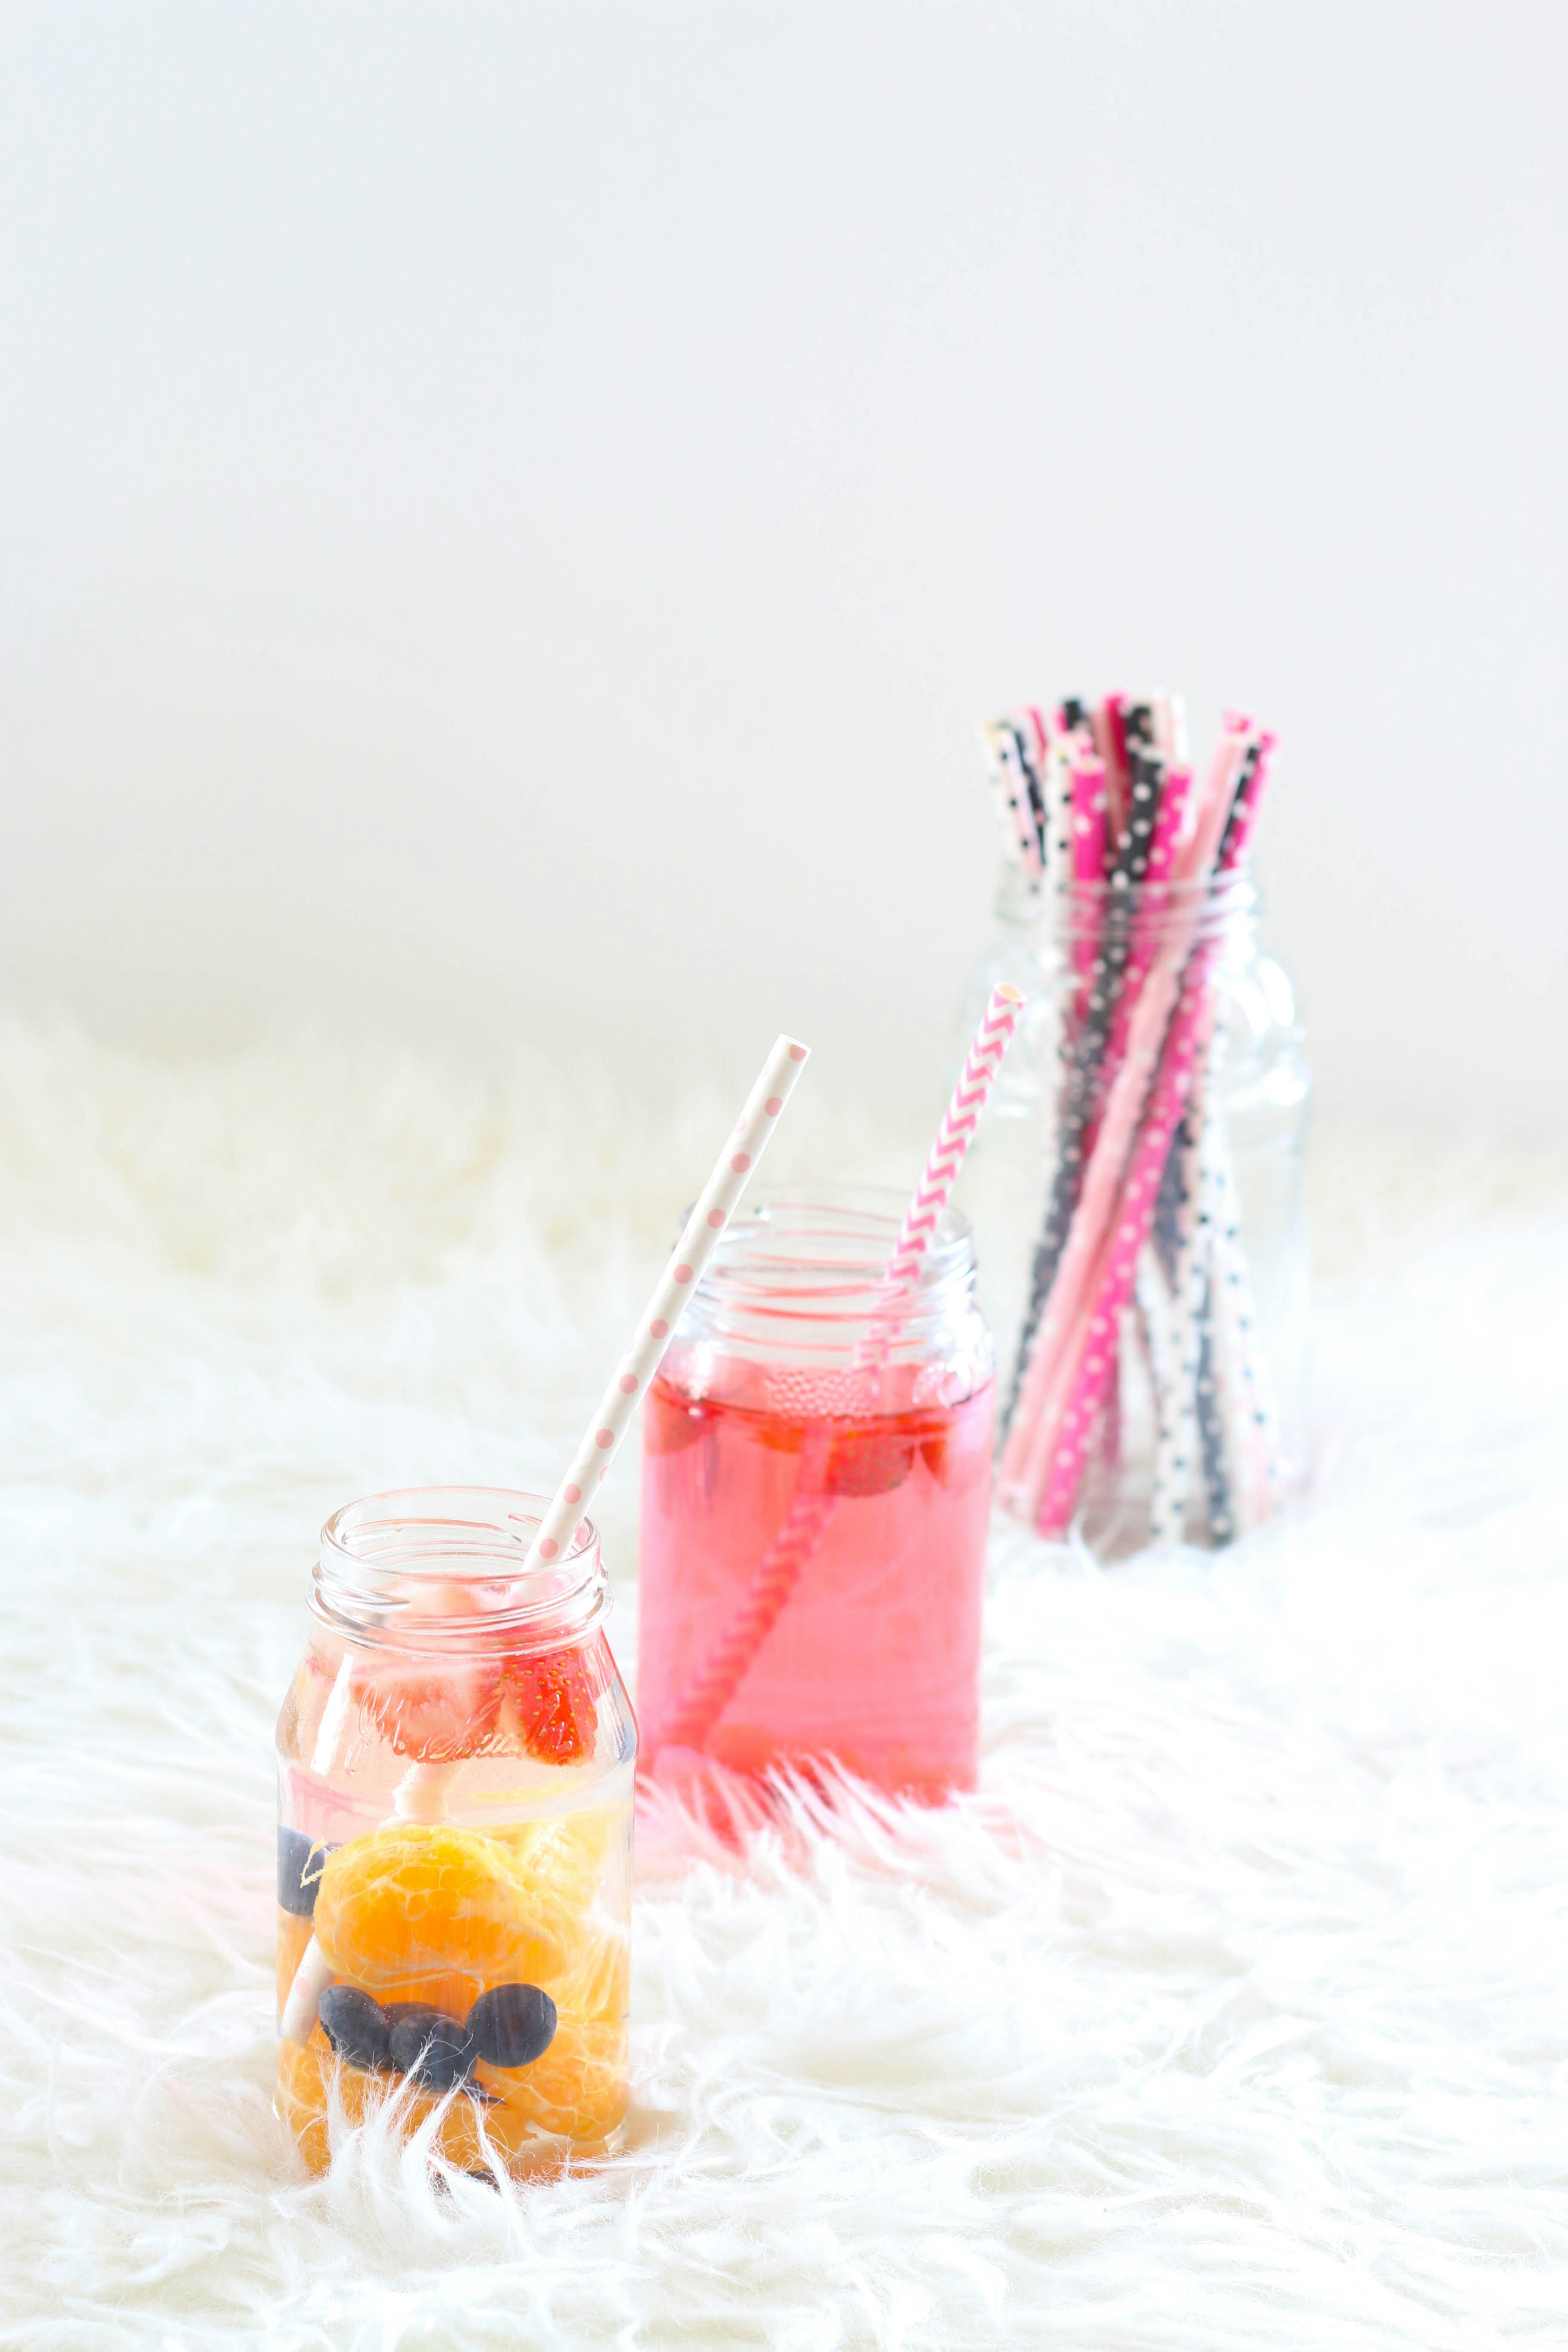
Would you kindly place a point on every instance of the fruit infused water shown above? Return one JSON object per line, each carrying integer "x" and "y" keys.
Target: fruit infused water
{"x": 456, "y": 1761}
{"x": 765, "y": 1434}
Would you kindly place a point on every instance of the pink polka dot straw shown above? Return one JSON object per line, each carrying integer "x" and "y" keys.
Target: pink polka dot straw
{"x": 715, "y": 1206}
{"x": 779, "y": 1570}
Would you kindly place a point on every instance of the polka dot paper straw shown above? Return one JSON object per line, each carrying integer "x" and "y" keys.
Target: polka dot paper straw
{"x": 1048, "y": 754}
{"x": 1093, "y": 1357}
{"x": 1253, "y": 1420}
{"x": 1176, "y": 1449}
{"x": 1010, "y": 788}
{"x": 1082, "y": 1092}
{"x": 714, "y": 1209}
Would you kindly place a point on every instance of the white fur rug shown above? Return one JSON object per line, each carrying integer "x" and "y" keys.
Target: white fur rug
{"x": 1233, "y": 2013}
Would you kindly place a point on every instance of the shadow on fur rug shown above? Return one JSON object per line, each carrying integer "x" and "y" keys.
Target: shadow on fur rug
{"x": 1231, "y": 2013}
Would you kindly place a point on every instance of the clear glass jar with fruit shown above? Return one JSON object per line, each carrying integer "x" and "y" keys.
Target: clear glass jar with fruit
{"x": 455, "y": 1767}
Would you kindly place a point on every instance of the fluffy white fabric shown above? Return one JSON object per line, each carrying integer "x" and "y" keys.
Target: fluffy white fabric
{"x": 1231, "y": 2013}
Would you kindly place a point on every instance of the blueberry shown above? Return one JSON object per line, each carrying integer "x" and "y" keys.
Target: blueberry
{"x": 512, "y": 2025}
{"x": 355, "y": 2025}
{"x": 300, "y": 1864}
{"x": 433, "y": 2049}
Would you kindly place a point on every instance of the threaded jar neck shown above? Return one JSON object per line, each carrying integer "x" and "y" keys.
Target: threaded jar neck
{"x": 1222, "y": 909}
{"x": 799, "y": 1275}
{"x": 438, "y": 1571}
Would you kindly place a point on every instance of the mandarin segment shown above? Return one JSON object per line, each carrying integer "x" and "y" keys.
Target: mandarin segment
{"x": 577, "y": 2089}
{"x": 412, "y": 1901}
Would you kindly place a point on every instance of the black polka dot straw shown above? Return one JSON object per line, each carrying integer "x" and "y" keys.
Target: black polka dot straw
{"x": 1211, "y": 1421}
{"x": 1081, "y": 1090}
{"x": 1174, "y": 1460}
{"x": 1010, "y": 791}
{"x": 1028, "y": 767}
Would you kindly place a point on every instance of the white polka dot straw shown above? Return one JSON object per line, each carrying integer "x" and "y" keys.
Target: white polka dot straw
{"x": 715, "y": 1206}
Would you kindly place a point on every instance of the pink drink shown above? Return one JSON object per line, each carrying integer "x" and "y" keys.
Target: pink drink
{"x": 875, "y": 1659}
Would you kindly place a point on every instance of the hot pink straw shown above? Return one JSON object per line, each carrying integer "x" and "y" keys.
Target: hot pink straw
{"x": 1154, "y": 901}
{"x": 777, "y": 1574}
{"x": 1088, "y": 833}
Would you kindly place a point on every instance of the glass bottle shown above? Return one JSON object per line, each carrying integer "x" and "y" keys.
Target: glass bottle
{"x": 1204, "y": 1429}
{"x": 456, "y": 1759}
{"x": 814, "y": 1508}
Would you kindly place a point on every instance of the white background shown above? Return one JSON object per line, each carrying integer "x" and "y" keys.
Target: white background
{"x": 509, "y": 516}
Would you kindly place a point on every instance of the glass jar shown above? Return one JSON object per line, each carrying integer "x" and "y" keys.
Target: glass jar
{"x": 816, "y": 1485}
{"x": 1202, "y": 1429}
{"x": 456, "y": 1759}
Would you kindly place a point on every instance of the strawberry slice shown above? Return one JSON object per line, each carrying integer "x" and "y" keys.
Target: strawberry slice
{"x": 551, "y": 1701}
{"x": 870, "y": 1460}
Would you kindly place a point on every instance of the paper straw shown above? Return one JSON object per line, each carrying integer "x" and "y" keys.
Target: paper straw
{"x": 1254, "y": 1419}
{"x": 1012, "y": 796}
{"x": 1109, "y": 724}
{"x": 1160, "y": 872}
{"x": 1171, "y": 728}
{"x": 422, "y": 1792}
{"x": 1026, "y": 1458}
{"x": 777, "y": 1574}
{"x": 1033, "y": 788}
{"x": 1081, "y": 1094}
{"x": 1177, "y": 1451}
{"x": 716, "y": 1203}
{"x": 1095, "y": 1363}
{"x": 1211, "y": 1423}
{"x": 1086, "y": 783}
{"x": 1048, "y": 754}
{"x": 1223, "y": 1462}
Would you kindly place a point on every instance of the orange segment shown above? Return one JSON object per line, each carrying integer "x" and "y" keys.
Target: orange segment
{"x": 411, "y": 1902}
{"x": 577, "y": 2089}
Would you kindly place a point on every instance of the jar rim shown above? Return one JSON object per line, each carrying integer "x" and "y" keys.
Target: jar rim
{"x": 822, "y": 1250}
{"x": 380, "y": 1554}
{"x": 1211, "y": 904}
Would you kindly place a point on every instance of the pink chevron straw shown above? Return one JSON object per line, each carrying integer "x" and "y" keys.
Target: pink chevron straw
{"x": 777, "y": 1574}
{"x": 1228, "y": 816}
{"x": 1025, "y": 1457}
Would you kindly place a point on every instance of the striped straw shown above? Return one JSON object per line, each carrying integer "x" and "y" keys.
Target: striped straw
{"x": 715, "y": 1206}
{"x": 777, "y": 1574}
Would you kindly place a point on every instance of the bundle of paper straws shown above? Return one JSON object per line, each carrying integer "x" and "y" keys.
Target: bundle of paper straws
{"x": 1141, "y": 1244}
